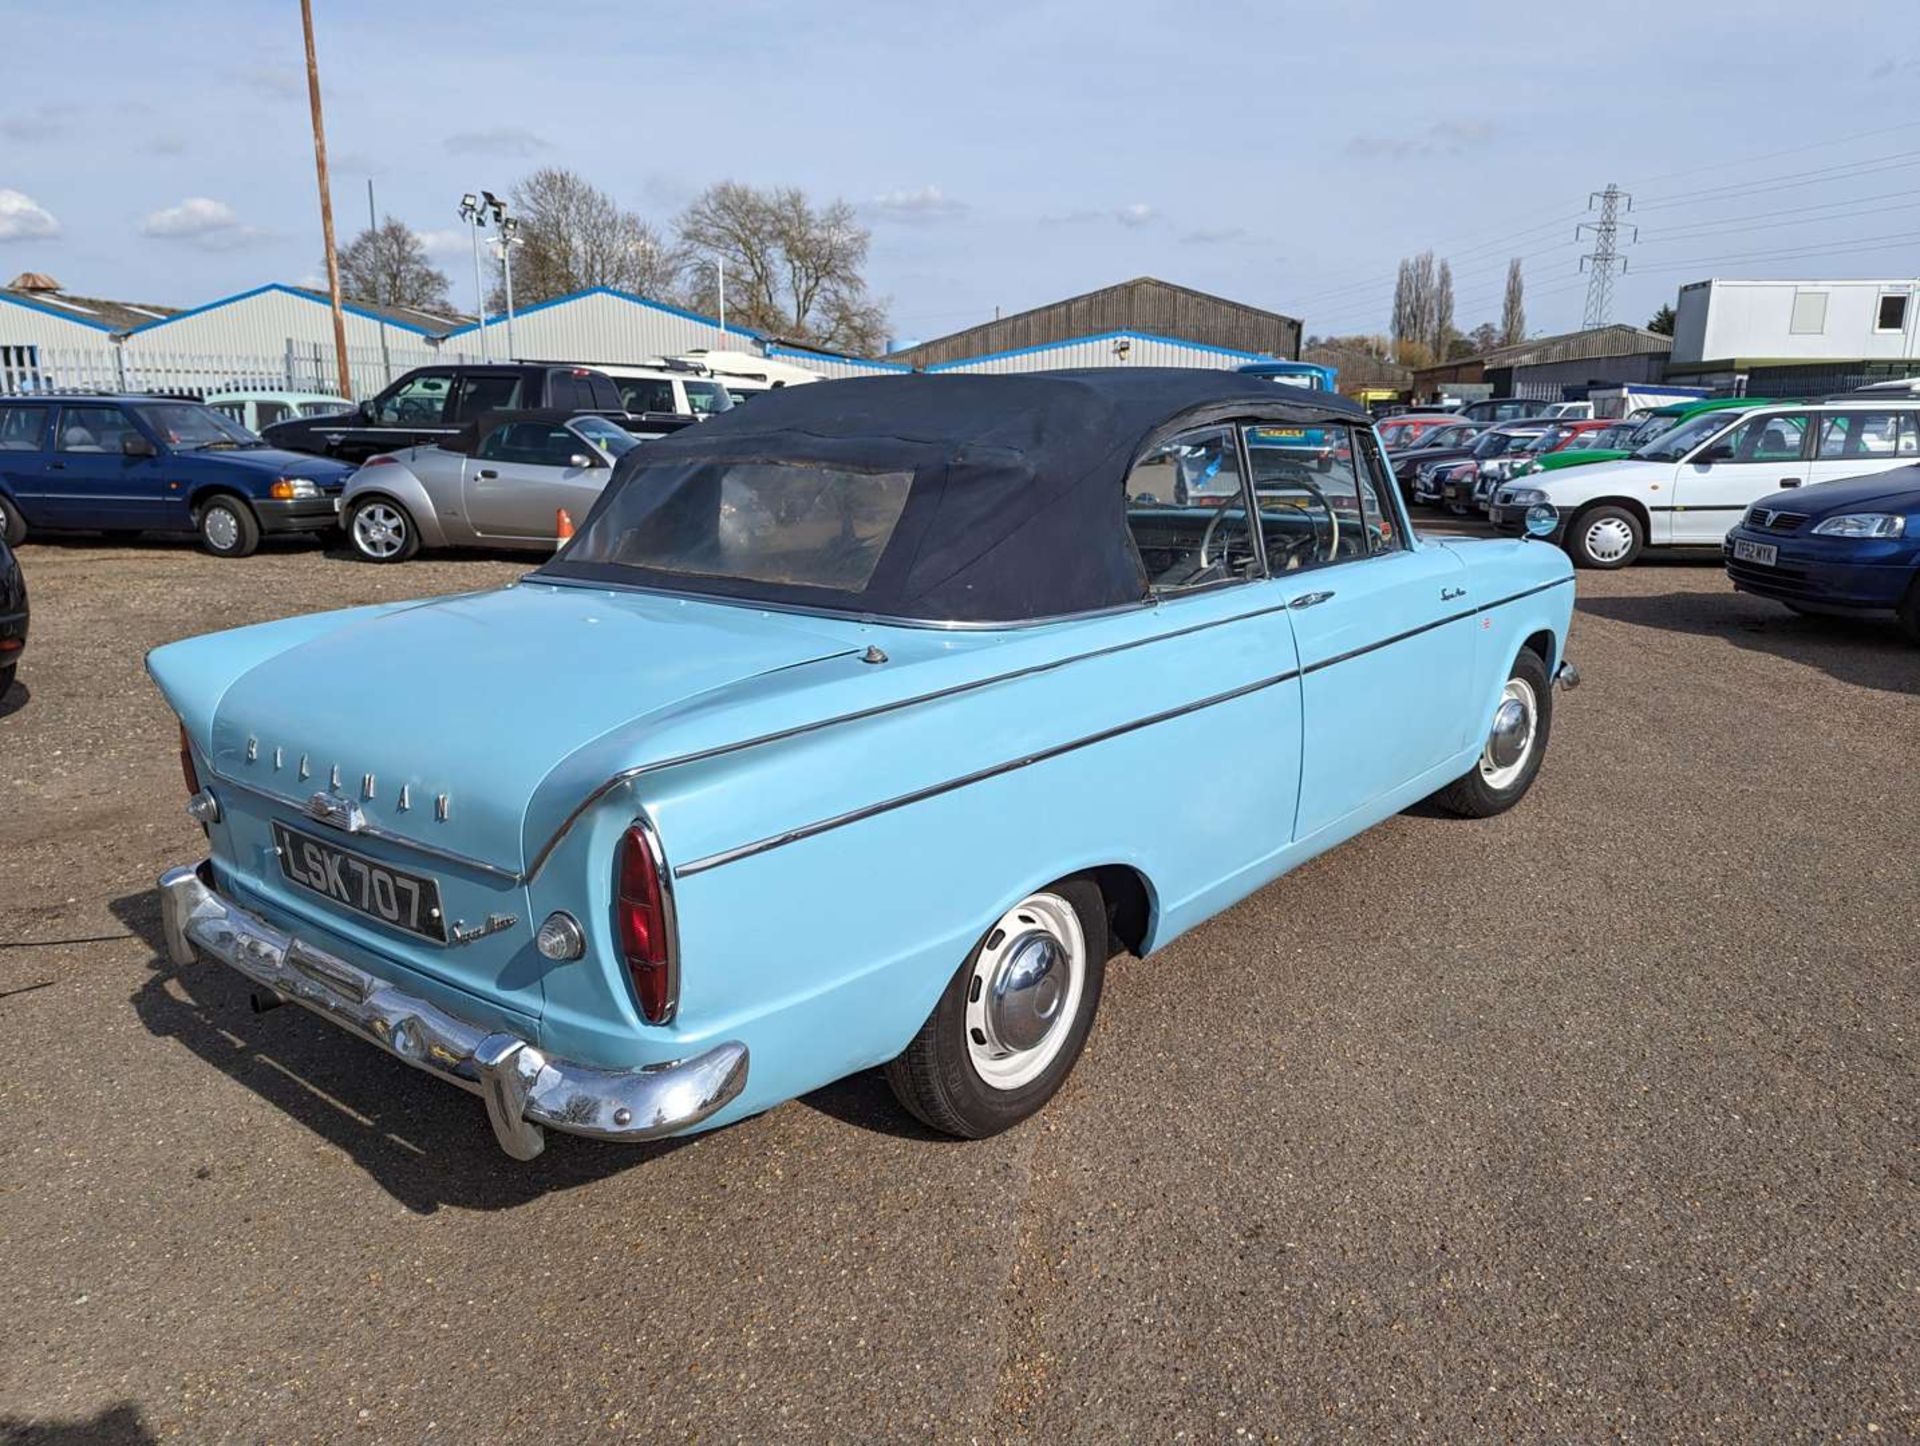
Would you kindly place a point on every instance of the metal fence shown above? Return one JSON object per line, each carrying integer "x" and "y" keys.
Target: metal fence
{"x": 302, "y": 367}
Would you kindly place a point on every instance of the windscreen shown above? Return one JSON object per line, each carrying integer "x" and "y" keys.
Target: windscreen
{"x": 790, "y": 524}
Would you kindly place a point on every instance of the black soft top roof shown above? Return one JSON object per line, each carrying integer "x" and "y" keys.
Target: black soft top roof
{"x": 1017, "y": 509}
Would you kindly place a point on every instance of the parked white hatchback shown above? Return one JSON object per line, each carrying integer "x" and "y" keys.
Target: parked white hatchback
{"x": 1688, "y": 487}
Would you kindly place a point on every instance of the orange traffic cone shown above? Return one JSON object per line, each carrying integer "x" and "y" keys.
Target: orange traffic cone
{"x": 562, "y": 525}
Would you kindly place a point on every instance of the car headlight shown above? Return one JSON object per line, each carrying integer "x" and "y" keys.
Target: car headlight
{"x": 1522, "y": 496}
{"x": 292, "y": 489}
{"x": 1862, "y": 524}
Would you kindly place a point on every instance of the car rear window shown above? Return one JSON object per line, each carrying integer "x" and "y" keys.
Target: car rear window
{"x": 797, "y": 524}
{"x": 23, "y": 428}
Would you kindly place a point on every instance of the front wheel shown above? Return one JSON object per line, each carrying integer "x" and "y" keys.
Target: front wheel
{"x": 1516, "y": 742}
{"x": 1605, "y": 537}
{"x": 1908, "y": 613}
{"x": 381, "y": 530}
{"x": 13, "y": 527}
{"x": 1013, "y": 1019}
{"x": 227, "y": 528}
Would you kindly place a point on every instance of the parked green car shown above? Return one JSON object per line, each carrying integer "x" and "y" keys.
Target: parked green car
{"x": 1629, "y": 437}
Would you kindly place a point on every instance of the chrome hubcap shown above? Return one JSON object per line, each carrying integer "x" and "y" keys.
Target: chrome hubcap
{"x": 1510, "y": 742}
{"x": 1025, "y": 991}
{"x": 379, "y": 530}
{"x": 1609, "y": 540}
{"x": 221, "y": 527}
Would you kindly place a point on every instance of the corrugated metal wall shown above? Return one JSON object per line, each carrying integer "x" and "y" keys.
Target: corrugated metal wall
{"x": 28, "y": 326}
{"x": 601, "y": 326}
{"x": 1147, "y": 305}
{"x": 261, "y": 323}
{"x": 1113, "y": 349}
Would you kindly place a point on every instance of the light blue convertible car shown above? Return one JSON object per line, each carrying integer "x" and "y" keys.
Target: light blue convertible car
{"x": 854, "y": 728}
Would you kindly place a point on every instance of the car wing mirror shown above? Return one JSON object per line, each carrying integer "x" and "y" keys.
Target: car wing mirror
{"x": 132, "y": 444}
{"x": 1719, "y": 452}
{"x": 581, "y": 459}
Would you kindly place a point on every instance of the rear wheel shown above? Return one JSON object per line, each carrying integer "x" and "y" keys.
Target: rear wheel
{"x": 6, "y": 678}
{"x": 227, "y": 527}
{"x": 1014, "y": 1017}
{"x": 13, "y": 527}
{"x": 1516, "y": 743}
{"x": 381, "y": 530}
{"x": 1605, "y": 537}
{"x": 1909, "y": 613}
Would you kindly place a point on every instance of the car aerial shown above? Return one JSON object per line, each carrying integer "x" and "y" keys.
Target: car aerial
{"x": 501, "y": 482}
{"x": 826, "y": 739}
{"x": 14, "y": 615}
{"x": 255, "y": 410}
{"x": 128, "y": 463}
{"x": 1848, "y": 548}
{"x": 1407, "y": 430}
{"x": 1449, "y": 482}
{"x": 1689, "y": 486}
{"x": 428, "y": 404}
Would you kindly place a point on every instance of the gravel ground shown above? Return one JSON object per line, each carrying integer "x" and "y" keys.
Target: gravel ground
{"x": 1594, "y": 1120}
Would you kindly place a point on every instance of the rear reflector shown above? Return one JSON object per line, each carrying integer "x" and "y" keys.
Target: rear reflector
{"x": 640, "y": 911}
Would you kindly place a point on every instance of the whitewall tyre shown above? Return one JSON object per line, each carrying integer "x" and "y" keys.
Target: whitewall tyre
{"x": 13, "y": 527}
{"x": 1512, "y": 748}
{"x": 1014, "y": 1017}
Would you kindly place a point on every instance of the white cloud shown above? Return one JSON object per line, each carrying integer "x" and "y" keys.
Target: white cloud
{"x": 1442, "y": 138}
{"x": 24, "y": 219}
{"x": 501, "y": 141}
{"x": 452, "y": 241}
{"x": 920, "y": 206}
{"x": 200, "y": 221}
{"x": 1135, "y": 214}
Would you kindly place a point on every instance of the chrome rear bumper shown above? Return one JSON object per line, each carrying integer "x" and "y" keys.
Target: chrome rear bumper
{"x": 1566, "y": 676}
{"x": 524, "y": 1089}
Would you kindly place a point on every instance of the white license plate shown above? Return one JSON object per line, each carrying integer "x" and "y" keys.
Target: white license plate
{"x": 1764, "y": 553}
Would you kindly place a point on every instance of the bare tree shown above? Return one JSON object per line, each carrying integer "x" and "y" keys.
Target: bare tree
{"x": 387, "y": 266}
{"x": 793, "y": 269}
{"x": 574, "y": 236}
{"x": 1513, "y": 311}
{"x": 1483, "y": 338}
{"x": 1416, "y": 309}
{"x": 1441, "y": 337}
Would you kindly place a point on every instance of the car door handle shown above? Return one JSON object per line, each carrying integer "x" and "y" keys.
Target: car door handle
{"x": 56, "y": 466}
{"x": 1309, "y": 599}
{"x": 1786, "y": 482}
{"x": 488, "y": 472}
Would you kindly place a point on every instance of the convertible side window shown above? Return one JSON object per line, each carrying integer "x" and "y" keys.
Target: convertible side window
{"x": 418, "y": 401}
{"x": 1315, "y": 505}
{"x": 1187, "y": 512}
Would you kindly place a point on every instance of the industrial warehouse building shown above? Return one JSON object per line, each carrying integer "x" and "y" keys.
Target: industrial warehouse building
{"x": 1143, "y": 322}
{"x": 1544, "y": 367}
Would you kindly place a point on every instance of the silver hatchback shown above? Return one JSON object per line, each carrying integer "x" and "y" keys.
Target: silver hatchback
{"x": 510, "y": 479}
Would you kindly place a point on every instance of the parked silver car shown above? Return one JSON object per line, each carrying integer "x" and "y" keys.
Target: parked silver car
{"x": 500, "y": 482}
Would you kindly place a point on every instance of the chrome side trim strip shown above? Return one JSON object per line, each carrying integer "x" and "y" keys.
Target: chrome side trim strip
{"x": 727, "y": 856}
{"x": 879, "y": 709}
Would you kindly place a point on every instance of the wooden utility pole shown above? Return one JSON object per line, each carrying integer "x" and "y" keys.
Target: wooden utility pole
{"x": 326, "y": 204}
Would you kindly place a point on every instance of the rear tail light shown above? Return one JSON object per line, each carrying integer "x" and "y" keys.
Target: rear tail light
{"x": 187, "y": 770}
{"x": 646, "y": 925}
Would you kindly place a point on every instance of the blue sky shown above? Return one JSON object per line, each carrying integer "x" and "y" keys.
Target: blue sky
{"x": 1003, "y": 154}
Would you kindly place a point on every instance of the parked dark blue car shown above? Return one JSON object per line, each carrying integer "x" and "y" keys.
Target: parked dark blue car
{"x": 1846, "y": 547}
{"x": 141, "y": 463}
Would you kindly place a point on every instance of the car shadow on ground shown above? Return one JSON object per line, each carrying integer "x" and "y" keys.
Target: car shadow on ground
{"x": 119, "y": 1425}
{"x": 866, "y": 1102}
{"x": 15, "y": 698}
{"x": 425, "y": 1142}
{"x": 1865, "y": 652}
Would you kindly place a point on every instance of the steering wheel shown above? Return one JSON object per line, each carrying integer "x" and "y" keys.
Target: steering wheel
{"x": 1333, "y": 525}
{"x": 1206, "y": 558}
